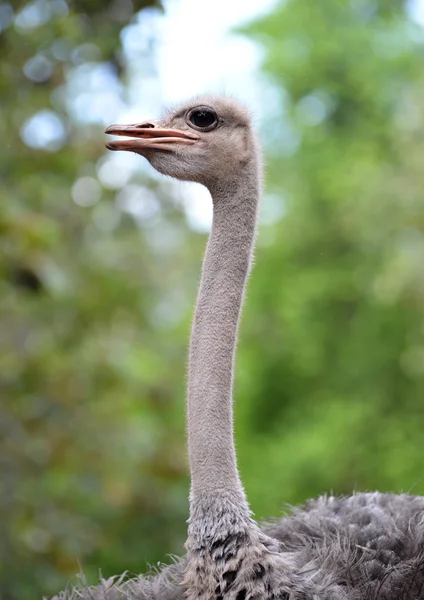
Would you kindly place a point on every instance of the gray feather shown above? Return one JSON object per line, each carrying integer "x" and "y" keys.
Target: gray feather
{"x": 364, "y": 547}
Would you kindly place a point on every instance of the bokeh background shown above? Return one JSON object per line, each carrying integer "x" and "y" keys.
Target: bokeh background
{"x": 100, "y": 261}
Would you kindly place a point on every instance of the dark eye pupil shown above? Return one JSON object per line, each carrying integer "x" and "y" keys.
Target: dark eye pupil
{"x": 202, "y": 118}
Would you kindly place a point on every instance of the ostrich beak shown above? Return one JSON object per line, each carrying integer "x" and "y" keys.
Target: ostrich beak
{"x": 148, "y": 136}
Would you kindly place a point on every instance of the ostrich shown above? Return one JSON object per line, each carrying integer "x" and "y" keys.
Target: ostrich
{"x": 364, "y": 547}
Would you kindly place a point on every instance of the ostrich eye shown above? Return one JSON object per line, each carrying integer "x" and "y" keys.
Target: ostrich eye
{"x": 203, "y": 118}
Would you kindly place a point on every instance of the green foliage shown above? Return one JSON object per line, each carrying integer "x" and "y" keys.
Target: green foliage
{"x": 93, "y": 465}
{"x": 333, "y": 347}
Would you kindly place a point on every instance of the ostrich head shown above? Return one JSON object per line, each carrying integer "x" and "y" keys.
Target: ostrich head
{"x": 208, "y": 141}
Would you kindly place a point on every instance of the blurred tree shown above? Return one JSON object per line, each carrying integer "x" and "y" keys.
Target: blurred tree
{"x": 93, "y": 467}
{"x": 332, "y": 357}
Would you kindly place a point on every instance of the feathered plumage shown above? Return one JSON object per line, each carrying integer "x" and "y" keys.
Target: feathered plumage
{"x": 364, "y": 547}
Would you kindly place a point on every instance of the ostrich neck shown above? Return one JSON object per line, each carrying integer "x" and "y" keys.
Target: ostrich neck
{"x": 214, "y": 476}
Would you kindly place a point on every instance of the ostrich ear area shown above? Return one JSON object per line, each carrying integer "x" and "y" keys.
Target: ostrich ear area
{"x": 148, "y": 138}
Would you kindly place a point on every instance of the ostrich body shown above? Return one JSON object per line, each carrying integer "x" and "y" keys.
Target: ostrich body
{"x": 367, "y": 546}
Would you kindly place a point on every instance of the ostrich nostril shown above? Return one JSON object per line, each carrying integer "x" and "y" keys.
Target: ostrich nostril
{"x": 145, "y": 125}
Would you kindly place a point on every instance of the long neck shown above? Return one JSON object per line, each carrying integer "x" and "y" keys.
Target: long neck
{"x": 226, "y": 265}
